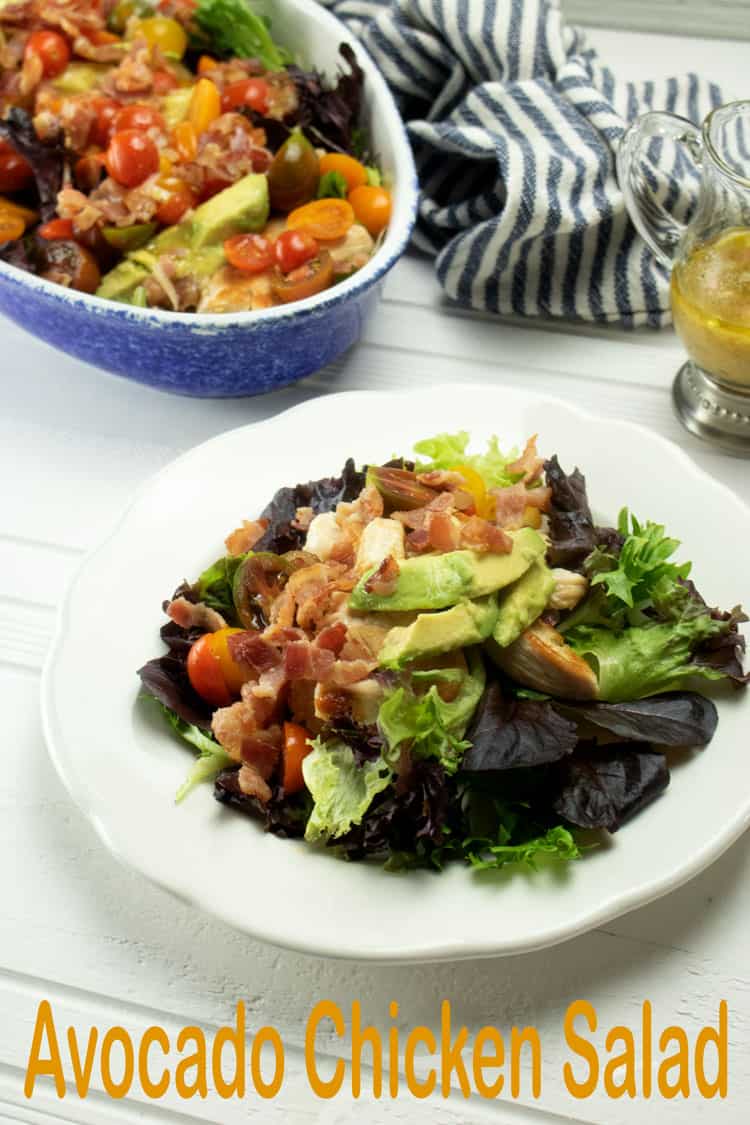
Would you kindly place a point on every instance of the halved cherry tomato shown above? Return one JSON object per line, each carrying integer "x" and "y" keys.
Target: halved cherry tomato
{"x": 99, "y": 36}
{"x": 131, "y": 157}
{"x": 252, "y": 92}
{"x": 205, "y": 104}
{"x": 166, "y": 34}
{"x": 137, "y": 116}
{"x": 372, "y": 207}
{"x": 106, "y": 110}
{"x": 185, "y": 141}
{"x": 353, "y": 172}
{"x": 55, "y": 229}
{"x": 15, "y": 170}
{"x": 297, "y": 746}
{"x": 206, "y": 63}
{"x": 164, "y": 81}
{"x": 475, "y": 486}
{"x": 324, "y": 219}
{"x": 51, "y": 48}
{"x": 69, "y": 264}
{"x": 315, "y": 276}
{"x": 293, "y": 248}
{"x": 212, "y": 671}
{"x": 179, "y": 201}
{"x": 14, "y": 219}
{"x": 88, "y": 171}
{"x": 251, "y": 253}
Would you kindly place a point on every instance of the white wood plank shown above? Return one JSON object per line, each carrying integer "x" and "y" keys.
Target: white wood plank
{"x": 722, "y": 18}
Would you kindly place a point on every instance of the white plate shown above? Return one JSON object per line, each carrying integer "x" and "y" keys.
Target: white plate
{"x": 122, "y": 767}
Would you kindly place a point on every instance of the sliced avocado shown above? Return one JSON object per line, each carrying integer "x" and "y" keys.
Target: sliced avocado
{"x": 175, "y": 105}
{"x": 80, "y": 77}
{"x": 522, "y": 603}
{"x": 119, "y": 283}
{"x": 239, "y": 208}
{"x": 468, "y": 623}
{"x": 437, "y": 581}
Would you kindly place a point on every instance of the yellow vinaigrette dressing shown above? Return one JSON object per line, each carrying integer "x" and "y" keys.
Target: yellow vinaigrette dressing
{"x": 711, "y": 306}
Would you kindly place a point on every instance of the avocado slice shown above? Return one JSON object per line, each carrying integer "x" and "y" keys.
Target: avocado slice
{"x": 522, "y": 603}
{"x": 80, "y": 77}
{"x": 175, "y": 105}
{"x": 241, "y": 207}
{"x": 438, "y": 581}
{"x": 468, "y": 623}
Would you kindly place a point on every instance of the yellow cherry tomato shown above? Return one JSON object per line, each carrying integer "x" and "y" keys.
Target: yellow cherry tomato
{"x": 185, "y": 141}
{"x": 14, "y": 219}
{"x": 372, "y": 207}
{"x": 205, "y": 104}
{"x": 475, "y": 486}
{"x": 353, "y": 172}
{"x": 164, "y": 33}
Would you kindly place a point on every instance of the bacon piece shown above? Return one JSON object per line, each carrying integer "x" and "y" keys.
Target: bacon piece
{"x": 346, "y": 672}
{"x": 244, "y": 537}
{"x": 529, "y": 464}
{"x": 442, "y": 479}
{"x": 268, "y": 691}
{"x": 195, "y": 615}
{"x": 510, "y": 503}
{"x": 234, "y": 724}
{"x": 418, "y": 542}
{"x": 443, "y": 530}
{"x": 303, "y": 661}
{"x": 481, "y": 535}
{"x": 253, "y": 785}
{"x": 262, "y": 750}
{"x": 251, "y": 648}
{"x": 384, "y": 580}
{"x": 539, "y": 498}
{"x": 332, "y": 637}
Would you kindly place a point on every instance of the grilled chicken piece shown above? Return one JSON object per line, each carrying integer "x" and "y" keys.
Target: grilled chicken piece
{"x": 541, "y": 659}
{"x": 231, "y": 290}
{"x": 352, "y": 251}
{"x": 570, "y": 588}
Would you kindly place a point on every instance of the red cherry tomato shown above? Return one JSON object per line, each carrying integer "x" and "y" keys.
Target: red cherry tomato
{"x": 131, "y": 157}
{"x": 251, "y": 253}
{"x": 136, "y": 116}
{"x": 293, "y": 248}
{"x": 15, "y": 171}
{"x": 106, "y": 110}
{"x": 250, "y": 92}
{"x": 213, "y": 672}
{"x": 55, "y": 229}
{"x": 51, "y": 48}
{"x": 178, "y": 202}
{"x": 164, "y": 81}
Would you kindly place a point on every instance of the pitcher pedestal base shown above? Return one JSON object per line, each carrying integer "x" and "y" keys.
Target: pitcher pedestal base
{"x": 712, "y": 413}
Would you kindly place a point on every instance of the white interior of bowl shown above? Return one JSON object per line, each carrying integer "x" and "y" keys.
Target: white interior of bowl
{"x": 314, "y": 34}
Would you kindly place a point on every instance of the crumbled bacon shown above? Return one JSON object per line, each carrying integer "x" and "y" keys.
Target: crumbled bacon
{"x": 262, "y": 750}
{"x": 529, "y": 464}
{"x": 384, "y": 580}
{"x": 253, "y": 649}
{"x": 304, "y": 661}
{"x": 195, "y": 615}
{"x": 539, "y": 498}
{"x": 253, "y": 785}
{"x": 444, "y": 532}
{"x": 510, "y": 503}
{"x": 481, "y": 535}
{"x": 332, "y": 637}
{"x": 245, "y": 537}
{"x": 417, "y": 542}
{"x": 72, "y": 204}
{"x": 443, "y": 479}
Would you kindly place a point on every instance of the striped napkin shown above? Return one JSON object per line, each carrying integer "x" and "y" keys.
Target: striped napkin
{"x": 514, "y": 123}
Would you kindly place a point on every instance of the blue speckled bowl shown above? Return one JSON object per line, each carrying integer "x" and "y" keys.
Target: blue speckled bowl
{"x": 237, "y": 353}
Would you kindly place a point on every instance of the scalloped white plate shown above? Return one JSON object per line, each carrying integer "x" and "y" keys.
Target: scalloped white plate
{"x": 122, "y": 767}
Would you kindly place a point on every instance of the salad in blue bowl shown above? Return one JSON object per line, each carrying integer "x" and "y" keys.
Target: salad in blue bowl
{"x": 182, "y": 200}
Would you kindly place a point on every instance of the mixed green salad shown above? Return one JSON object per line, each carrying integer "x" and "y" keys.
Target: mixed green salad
{"x": 442, "y": 658}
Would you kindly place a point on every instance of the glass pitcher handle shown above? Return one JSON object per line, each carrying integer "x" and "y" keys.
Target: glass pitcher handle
{"x": 659, "y": 229}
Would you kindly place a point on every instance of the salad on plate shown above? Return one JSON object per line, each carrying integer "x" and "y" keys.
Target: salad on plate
{"x": 172, "y": 155}
{"x": 442, "y": 658}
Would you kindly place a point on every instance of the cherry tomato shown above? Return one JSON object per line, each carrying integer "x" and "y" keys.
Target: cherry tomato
{"x": 475, "y": 486}
{"x": 185, "y": 140}
{"x": 106, "y": 110}
{"x": 69, "y": 264}
{"x": 293, "y": 248}
{"x": 325, "y": 219}
{"x": 51, "y": 48}
{"x": 251, "y": 92}
{"x": 166, "y": 34}
{"x": 88, "y": 171}
{"x": 206, "y": 63}
{"x": 15, "y": 170}
{"x": 164, "y": 81}
{"x": 137, "y": 116}
{"x": 372, "y": 207}
{"x": 293, "y": 175}
{"x": 251, "y": 253}
{"x": 315, "y": 276}
{"x": 205, "y": 104}
{"x": 179, "y": 201}
{"x": 353, "y": 172}
{"x": 56, "y": 229}
{"x": 131, "y": 157}
{"x": 212, "y": 671}
{"x": 297, "y": 746}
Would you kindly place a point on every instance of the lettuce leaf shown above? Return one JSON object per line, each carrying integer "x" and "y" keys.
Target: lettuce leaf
{"x": 646, "y": 659}
{"x": 641, "y": 574}
{"x": 232, "y": 29}
{"x": 445, "y": 451}
{"x": 426, "y": 723}
{"x": 341, "y": 789}
{"x": 602, "y": 787}
{"x": 214, "y": 586}
{"x": 211, "y": 760}
{"x": 485, "y": 855}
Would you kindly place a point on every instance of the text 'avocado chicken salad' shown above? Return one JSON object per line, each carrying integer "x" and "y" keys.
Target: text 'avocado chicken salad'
{"x": 170, "y": 154}
{"x": 442, "y": 658}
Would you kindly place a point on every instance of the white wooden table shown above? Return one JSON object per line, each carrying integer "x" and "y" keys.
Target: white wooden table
{"x": 106, "y": 947}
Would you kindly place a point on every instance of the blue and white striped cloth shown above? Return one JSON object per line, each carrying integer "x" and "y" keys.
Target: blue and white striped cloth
{"x": 514, "y": 124}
